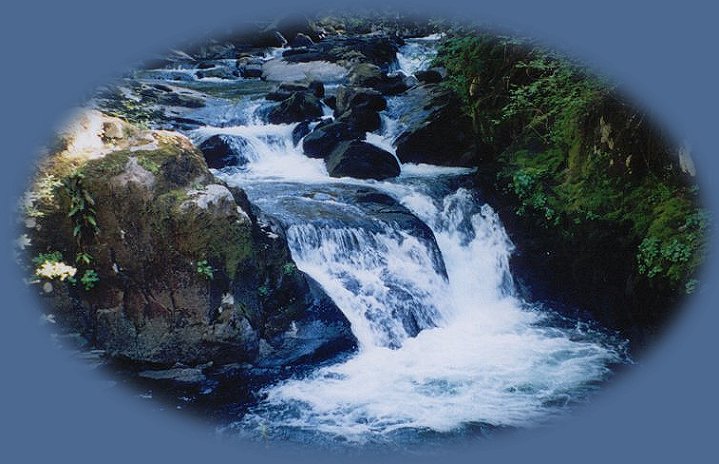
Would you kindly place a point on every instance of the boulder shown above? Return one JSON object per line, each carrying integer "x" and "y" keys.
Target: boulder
{"x": 358, "y": 97}
{"x": 286, "y": 89}
{"x": 301, "y": 40}
{"x": 223, "y": 150}
{"x": 372, "y": 76}
{"x": 300, "y": 131}
{"x": 376, "y": 49}
{"x": 188, "y": 271}
{"x": 326, "y": 136}
{"x": 300, "y": 106}
{"x": 250, "y": 68}
{"x": 361, "y": 160}
{"x": 437, "y": 133}
{"x": 429, "y": 76}
{"x": 361, "y": 119}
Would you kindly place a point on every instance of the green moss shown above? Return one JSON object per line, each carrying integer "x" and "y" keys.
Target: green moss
{"x": 149, "y": 164}
{"x": 201, "y": 234}
{"x": 106, "y": 167}
{"x": 585, "y": 193}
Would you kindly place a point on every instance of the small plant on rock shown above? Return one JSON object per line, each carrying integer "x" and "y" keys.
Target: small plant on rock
{"x": 89, "y": 279}
{"x": 204, "y": 269}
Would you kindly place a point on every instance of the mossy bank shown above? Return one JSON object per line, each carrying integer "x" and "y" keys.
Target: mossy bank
{"x": 602, "y": 205}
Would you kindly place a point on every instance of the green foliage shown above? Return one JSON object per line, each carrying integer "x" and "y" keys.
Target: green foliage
{"x": 673, "y": 252}
{"x": 51, "y": 257}
{"x": 289, "y": 268}
{"x": 82, "y": 207}
{"x": 89, "y": 279}
{"x": 520, "y": 95}
{"x": 83, "y": 257}
{"x": 263, "y": 291}
{"x": 204, "y": 269}
{"x": 149, "y": 165}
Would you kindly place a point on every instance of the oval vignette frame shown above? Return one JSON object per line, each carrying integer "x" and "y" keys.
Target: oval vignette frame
{"x": 57, "y": 416}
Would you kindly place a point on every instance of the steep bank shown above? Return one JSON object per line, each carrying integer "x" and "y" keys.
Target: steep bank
{"x": 601, "y": 204}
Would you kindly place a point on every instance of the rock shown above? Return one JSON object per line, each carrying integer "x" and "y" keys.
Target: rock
{"x": 189, "y": 271}
{"x": 372, "y": 76}
{"x": 286, "y": 89}
{"x": 219, "y": 72}
{"x": 361, "y": 160}
{"x": 376, "y": 49}
{"x": 317, "y": 88}
{"x": 331, "y": 101}
{"x": 325, "y": 137}
{"x": 301, "y": 40}
{"x": 365, "y": 75}
{"x": 251, "y": 70}
{"x": 283, "y": 71}
{"x": 299, "y": 107}
{"x": 436, "y": 132}
{"x": 300, "y": 131}
{"x": 430, "y": 76}
{"x": 223, "y": 150}
{"x": 358, "y": 97}
{"x": 178, "y": 374}
{"x": 361, "y": 119}
{"x": 186, "y": 100}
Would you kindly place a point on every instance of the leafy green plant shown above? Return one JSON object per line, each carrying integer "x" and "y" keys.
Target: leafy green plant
{"x": 89, "y": 279}
{"x": 263, "y": 291}
{"x": 50, "y": 257}
{"x": 83, "y": 257}
{"x": 82, "y": 207}
{"x": 204, "y": 269}
{"x": 289, "y": 268}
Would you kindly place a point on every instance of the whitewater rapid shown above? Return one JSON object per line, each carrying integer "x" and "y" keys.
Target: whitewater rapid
{"x": 442, "y": 346}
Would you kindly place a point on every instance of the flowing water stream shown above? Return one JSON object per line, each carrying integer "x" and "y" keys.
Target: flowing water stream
{"x": 445, "y": 343}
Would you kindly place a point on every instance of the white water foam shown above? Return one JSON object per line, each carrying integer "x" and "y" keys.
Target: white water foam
{"x": 491, "y": 362}
{"x": 483, "y": 356}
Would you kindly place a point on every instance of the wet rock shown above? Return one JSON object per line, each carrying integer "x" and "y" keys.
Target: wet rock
{"x": 360, "y": 98}
{"x": 251, "y": 70}
{"x": 376, "y": 49}
{"x": 361, "y": 160}
{"x": 430, "y": 76}
{"x": 325, "y": 137}
{"x": 301, "y": 40}
{"x": 361, "y": 119}
{"x": 300, "y": 106}
{"x": 300, "y": 131}
{"x": 223, "y": 150}
{"x": 219, "y": 72}
{"x": 179, "y": 374}
{"x": 331, "y": 101}
{"x": 436, "y": 132}
{"x": 286, "y": 89}
{"x": 372, "y": 76}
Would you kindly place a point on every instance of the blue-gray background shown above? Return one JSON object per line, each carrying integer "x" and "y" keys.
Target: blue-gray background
{"x": 53, "y": 410}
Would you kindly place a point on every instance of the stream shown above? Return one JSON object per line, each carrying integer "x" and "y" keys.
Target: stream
{"x": 446, "y": 346}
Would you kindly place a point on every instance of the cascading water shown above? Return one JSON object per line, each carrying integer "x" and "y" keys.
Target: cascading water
{"x": 445, "y": 343}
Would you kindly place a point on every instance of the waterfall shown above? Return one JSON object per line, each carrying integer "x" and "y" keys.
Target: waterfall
{"x": 385, "y": 283}
{"x": 492, "y": 360}
{"x": 444, "y": 341}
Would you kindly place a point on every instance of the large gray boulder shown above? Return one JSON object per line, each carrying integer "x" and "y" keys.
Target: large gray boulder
{"x": 361, "y": 160}
{"x": 300, "y": 106}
